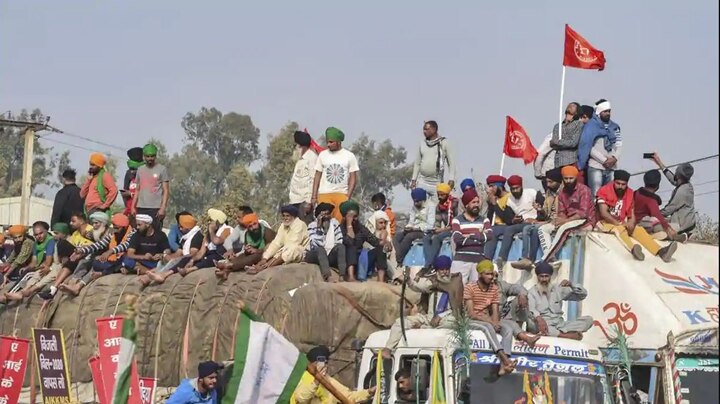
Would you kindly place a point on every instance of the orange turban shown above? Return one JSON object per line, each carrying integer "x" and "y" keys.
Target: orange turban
{"x": 120, "y": 220}
{"x": 17, "y": 230}
{"x": 187, "y": 221}
{"x": 98, "y": 159}
{"x": 249, "y": 219}
{"x": 569, "y": 171}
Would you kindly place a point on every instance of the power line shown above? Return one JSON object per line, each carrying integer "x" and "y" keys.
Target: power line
{"x": 67, "y": 144}
{"x": 675, "y": 165}
{"x": 694, "y": 185}
{"x": 87, "y": 139}
{"x": 706, "y": 193}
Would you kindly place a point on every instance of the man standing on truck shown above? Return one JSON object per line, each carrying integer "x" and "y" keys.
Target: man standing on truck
{"x": 545, "y": 300}
{"x": 435, "y": 302}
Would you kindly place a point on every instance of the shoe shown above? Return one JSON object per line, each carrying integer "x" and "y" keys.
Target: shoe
{"x": 637, "y": 253}
{"x": 667, "y": 252}
{"x": 683, "y": 238}
{"x": 46, "y": 295}
{"x": 524, "y": 264}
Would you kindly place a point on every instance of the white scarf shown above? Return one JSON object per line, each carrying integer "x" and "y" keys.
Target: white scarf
{"x": 212, "y": 246}
{"x": 187, "y": 240}
{"x": 330, "y": 236}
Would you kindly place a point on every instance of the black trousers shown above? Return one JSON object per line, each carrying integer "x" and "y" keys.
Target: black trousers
{"x": 336, "y": 259}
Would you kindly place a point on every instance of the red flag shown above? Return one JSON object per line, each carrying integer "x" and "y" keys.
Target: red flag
{"x": 579, "y": 53}
{"x": 517, "y": 142}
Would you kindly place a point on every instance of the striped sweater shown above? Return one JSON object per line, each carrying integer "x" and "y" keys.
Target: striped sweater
{"x": 469, "y": 237}
{"x": 317, "y": 235}
{"x": 103, "y": 244}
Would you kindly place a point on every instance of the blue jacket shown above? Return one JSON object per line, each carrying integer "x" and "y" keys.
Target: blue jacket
{"x": 592, "y": 130}
{"x": 187, "y": 393}
{"x": 174, "y": 237}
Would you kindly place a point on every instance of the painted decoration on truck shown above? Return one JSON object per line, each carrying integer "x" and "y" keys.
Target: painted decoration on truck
{"x": 620, "y": 318}
{"x": 542, "y": 363}
{"x": 694, "y": 285}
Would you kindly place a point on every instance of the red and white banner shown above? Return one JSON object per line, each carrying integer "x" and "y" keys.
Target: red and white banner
{"x": 517, "y": 142}
{"x": 147, "y": 390}
{"x": 109, "y": 333}
{"x": 13, "y": 361}
{"x": 580, "y": 54}
{"x": 98, "y": 381}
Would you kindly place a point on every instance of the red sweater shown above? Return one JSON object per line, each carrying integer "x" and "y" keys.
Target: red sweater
{"x": 648, "y": 206}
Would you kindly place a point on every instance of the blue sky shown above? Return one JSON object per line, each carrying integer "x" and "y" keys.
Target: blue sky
{"x": 121, "y": 72}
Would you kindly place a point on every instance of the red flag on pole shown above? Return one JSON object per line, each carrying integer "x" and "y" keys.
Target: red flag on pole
{"x": 517, "y": 142}
{"x": 579, "y": 53}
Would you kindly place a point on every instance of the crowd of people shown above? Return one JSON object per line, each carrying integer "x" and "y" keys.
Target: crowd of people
{"x": 582, "y": 189}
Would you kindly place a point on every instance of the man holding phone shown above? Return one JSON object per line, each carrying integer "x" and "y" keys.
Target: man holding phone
{"x": 311, "y": 391}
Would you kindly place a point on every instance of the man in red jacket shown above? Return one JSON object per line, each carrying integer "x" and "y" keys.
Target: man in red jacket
{"x": 647, "y": 210}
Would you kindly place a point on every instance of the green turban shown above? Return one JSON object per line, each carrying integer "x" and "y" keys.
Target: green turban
{"x": 150, "y": 150}
{"x": 61, "y": 228}
{"x": 349, "y": 205}
{"x": 334, "y": 134}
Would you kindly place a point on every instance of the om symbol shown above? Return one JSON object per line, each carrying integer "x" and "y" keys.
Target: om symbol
{"x": 623, "y": 318}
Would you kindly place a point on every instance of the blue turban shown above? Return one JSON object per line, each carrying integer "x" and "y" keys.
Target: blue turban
{"x": 467, "y": 182}
{"x": 290, "y": 209}
{"x": 442, "y": 262}
{"x": 543, "y": 268}
{"x": 418, "y": 194}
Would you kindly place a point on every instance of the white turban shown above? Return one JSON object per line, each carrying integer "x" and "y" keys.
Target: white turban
{"x": 101, "y": 217}
{"x": 603, "y": 106}
{"x": 372, "y": 220}
{"x": 218, "y": 215}
{"x": 144, "y": 219}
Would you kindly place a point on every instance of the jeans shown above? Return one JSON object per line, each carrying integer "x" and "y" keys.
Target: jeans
{"x": 596, "y": 178}
{"x": 507, "y": 232}
{"x": 432, "y": 244}
{"x": 531, "y": 242}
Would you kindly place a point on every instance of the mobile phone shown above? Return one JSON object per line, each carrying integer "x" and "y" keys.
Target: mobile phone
{"x": 321, "y": 359}
{"x": 648, "y": 155}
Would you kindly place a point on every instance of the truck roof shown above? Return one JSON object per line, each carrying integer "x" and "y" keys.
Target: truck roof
{"x": 435, "y": 339}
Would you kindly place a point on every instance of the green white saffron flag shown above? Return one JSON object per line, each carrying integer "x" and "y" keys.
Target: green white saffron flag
{"x": 125, "y": 360}
{"x": 266, "y": 368}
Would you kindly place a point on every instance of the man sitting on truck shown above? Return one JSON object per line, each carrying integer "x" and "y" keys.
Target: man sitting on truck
{"x": 435, "y": 300}
{"x": 513, "y": 312}
{"x": 545, "y": 300}
{"x": 482, "y": 304}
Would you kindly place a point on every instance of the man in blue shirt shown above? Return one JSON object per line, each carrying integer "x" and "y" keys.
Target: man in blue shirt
{"x": 199, "y": 390}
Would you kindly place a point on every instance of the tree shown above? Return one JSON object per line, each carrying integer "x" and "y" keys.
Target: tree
{"x": 706, "y": 230}
{"x": 382, "y": 167}
{"x": 11, "y": 157}
{"x": 229, "y": 138}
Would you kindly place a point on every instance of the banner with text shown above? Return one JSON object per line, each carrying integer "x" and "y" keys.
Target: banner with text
{"x": 147, "y": 390}
{"x": 94, "y": 363}
{"x": 13, "y": 358}
{"x": 109, "y": 333}
{"x": 52, "y": 365}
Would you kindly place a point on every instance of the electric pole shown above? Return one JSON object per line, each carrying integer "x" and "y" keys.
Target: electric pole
{"x": 31, "y": 128}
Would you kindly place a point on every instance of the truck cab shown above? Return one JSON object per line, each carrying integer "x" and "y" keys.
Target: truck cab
{"x": 562, "y": 370}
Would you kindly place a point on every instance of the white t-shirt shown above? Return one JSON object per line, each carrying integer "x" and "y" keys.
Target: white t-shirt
{"x": 524, "y": 206}
{"x": 335, "y": 168}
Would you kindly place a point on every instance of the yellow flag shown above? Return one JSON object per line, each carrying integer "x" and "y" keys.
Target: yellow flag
{"x": 379, "y": 378}
{"x": 436, "y": 381}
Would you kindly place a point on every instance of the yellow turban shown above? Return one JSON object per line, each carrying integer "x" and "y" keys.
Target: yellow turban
{"x": 17, "y": 230}
{"x": 98, "y": 159}
{"x": 485, "y": 266}
{"x": 444, "y": 188}
{"x": 218, "y": 215}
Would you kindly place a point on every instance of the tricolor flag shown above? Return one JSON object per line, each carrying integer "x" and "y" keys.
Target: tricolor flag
{"x": 436, "y": 381}
{"x": 267, "y": 367}
{"x": 125, "y": 360}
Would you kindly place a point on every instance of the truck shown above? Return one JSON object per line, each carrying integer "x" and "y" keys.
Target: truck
{"x": 555, "y": 369}
{"x": 655, "y": 324}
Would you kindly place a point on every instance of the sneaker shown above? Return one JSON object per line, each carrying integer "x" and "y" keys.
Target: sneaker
{"x": 46, "y": 295}
{"x": 667, "y": 252}
{"x": 524, "y": 264}
{"x": 683, "y": 238}
{"x": 637, "y": 253}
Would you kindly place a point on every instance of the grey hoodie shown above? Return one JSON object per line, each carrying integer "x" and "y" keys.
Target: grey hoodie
{"x": 681, "y": 207}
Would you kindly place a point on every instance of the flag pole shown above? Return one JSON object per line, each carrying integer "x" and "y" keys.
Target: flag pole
{"x": 562, "y": 92}
{"x": 502, "y": 163}
{"x": 328, "y": 386}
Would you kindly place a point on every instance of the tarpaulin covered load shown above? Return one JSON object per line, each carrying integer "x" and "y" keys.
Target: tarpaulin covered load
{"x": 334, "y": 314}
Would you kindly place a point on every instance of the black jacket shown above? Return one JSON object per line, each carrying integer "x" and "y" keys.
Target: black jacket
{"x": 67, "y": 202}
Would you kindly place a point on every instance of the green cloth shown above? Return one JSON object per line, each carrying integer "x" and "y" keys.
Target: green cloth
{"x": 61, "y": 228}
{"x": 102, "y": 192}
{"x": 334, "y": 134}
{"x": 134, "y": 165}
{"x": 150, "y": 150}
{"x": 349, "y": 205}
{"x": 40, "y": 249}
{"x": 259, "y": 243}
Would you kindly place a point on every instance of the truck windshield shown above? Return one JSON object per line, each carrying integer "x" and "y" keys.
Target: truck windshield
{"x": 698, "y": 379}
{"x": 536, "y": 380}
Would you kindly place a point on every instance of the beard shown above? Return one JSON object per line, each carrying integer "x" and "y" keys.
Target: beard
{"x": 474, "y": 210}
{"x": 570, "y": 186}
{"x": 97, "y": 234}
{"x": 620, "y": 192}
{"x": 517, "y": 195}
{"x": 543, "y": 288}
